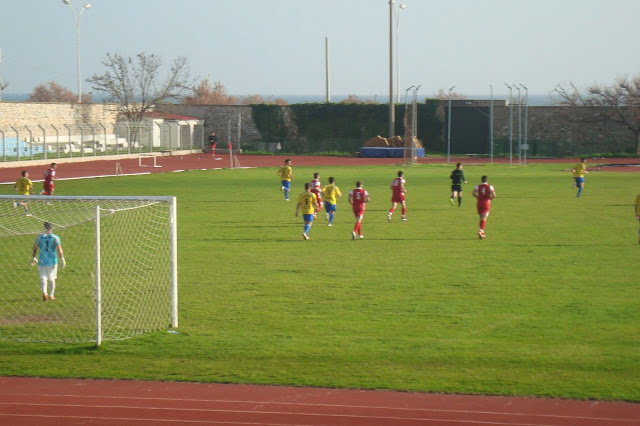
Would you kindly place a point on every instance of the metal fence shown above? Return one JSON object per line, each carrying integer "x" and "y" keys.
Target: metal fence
{"x": 38, "y": 142}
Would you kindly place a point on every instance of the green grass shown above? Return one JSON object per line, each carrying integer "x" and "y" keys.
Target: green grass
{"x": 548, "y": 305}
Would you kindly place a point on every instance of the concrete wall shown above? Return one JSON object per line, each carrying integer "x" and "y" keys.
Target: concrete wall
{"x": 46, "y": 114}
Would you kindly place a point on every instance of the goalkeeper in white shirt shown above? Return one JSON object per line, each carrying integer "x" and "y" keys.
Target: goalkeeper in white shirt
{"x": 50, "y": 247}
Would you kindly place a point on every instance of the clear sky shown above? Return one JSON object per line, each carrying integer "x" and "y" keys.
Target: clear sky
{"x": 277, "y": 47}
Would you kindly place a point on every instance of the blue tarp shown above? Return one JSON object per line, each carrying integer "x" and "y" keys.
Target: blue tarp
{"x": 381, "y": 152}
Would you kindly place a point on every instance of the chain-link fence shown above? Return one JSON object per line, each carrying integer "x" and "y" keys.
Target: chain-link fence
{"x": 38, "y": 142}
{"x": 303, "y": 146}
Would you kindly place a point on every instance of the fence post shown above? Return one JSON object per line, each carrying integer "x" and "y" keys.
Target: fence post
{"x": 105, "y": 138}
{"x": 57, "y": 141}
{"x": 17, "y": 141}
{"x": 30, "y": 142}
{"x": 93, "y": 135}
{"x": 4, "y": 147}
{"x": 44, "y": 142}
{"x": 81, "y": 140}
{"x": 69, "y": 142}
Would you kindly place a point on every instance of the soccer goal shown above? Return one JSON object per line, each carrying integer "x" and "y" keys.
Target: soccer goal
{"x": 121, "y": 275}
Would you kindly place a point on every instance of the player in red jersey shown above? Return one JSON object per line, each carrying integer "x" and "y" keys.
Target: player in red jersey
{"x": 49, "y": 178}
{"x": 358, "y": 198}
{"x": 484, "y": 193}
{"x": 397, "y": 196}
{"x": 316, "y": 188}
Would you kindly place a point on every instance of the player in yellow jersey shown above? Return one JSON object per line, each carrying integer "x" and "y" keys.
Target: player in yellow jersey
{"x": 286, "y": 174}
{"x": 578, "y": 174}
{"x": 637, "y": 210}
{"x": 331, "y": 193}
{"x": 307, "y": 202}
{"x": 23, "y": 186}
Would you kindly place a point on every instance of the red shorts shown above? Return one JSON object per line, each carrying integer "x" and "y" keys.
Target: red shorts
{"x": 48, "y": 188}
{"x": 483, "y": 208}
{"x": 358, "y": 211}
{"x": 399, "y": 198}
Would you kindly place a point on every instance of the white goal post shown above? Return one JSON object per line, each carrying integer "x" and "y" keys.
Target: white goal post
{"x": 121, "y": 278}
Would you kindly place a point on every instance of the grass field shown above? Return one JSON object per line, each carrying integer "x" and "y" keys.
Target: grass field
{"x": 547, "y": 305}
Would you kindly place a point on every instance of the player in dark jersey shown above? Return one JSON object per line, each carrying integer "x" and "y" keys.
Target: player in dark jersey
{"x": 457, "y": 179}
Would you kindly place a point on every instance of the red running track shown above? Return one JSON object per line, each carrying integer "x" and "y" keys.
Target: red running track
{"x": 95, "y": 167}
{"x": 38, "y": 401}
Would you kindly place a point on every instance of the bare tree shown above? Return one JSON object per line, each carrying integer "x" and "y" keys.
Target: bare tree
{"x": 134, "y": 83}
{"x": 205, "y": 94}
{"x": 618, "y": 103}
{"x": 355, "y": 99}
{"x": 53, "y": 92}
{"x": 443, "y": 95}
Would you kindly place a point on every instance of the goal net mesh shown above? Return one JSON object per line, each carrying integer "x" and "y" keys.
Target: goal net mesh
{"x": 135, "y": 268}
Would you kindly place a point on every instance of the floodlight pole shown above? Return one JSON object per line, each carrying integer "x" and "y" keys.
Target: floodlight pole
{"x": 519, "y": 124}
{"x": 76, "y": 19}
{"x": 327, "y": 69}
{"x": 402, "y": 6}
{"x": 491, "y": 124}
{"x": 449, "y": 127}
{"x": 392, "y": 118}
{"x": 510, "y": 125}
{"x": 414, "y": 125}
{"x": 526, "y": 119}
{"x": 406, "y": 95}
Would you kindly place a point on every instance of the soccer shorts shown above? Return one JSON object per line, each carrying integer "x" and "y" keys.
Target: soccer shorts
{"x": 579, "y": 181}
{"x": 329, "y": 207}
{"x": 286, "y": 184}
{"x": 483, "y": 208}
{"x": 48, "y": 272}
{"x": 358, "y": 211}
{"x": 308, "y": 217}
{"x": 48, "y": 189}
{"x": 397, "y": 198}
{"x": 456, "y": 188}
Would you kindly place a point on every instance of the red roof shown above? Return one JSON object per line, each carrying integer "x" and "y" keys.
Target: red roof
{"x": 165, "y": 116}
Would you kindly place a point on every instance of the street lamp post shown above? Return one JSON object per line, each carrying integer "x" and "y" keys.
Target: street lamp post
{"x": 400, "y": 7}
{"x": 392, "y": 114}
{"x": 449, "y": 127}
{"x": 526, "y": 119}
{"x": 519, "y": 125}
{"x": 510, "y": 124}
{"x": 491, "y": 124}
{"x": 76, "y": 19}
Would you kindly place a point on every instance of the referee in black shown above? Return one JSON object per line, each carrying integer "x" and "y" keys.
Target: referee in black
{"x": 457, "y": 179}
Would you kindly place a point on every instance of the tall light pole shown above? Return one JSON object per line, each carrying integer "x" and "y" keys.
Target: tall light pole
{"x": 392, "y": 114}
{"x": 526, "y": 119}
{"x": 519, "y": 124}
{"x": 491, "y": 124}
{"x": 76, "y": 19}
{"x": 327, "y": 69}
{"x": 400, "y": 7}
{"x": 510, "y": 124}
{"x": 449, "y": 127}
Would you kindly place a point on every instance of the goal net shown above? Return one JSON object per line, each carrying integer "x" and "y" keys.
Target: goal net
{"x": 121, "y": 275}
